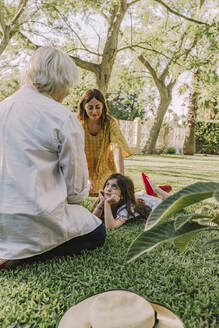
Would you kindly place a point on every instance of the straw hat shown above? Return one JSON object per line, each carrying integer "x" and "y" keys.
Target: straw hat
{"x": 119, "y": 309}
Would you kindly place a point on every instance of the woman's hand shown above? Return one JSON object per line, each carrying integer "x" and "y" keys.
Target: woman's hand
{"x": 92, "y": 186}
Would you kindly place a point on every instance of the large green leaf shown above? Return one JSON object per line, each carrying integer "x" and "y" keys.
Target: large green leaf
{"x": 182, "y": 219}
{"x": 159, "y": 234}
{"x": 217, "y": 195}
{"x": 182, "y": 242}
{"x": 189, "y": 195}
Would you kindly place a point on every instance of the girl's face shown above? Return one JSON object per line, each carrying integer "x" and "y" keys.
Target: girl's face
{"x": 94, "y": 109}
{"x": 111, "y": 188}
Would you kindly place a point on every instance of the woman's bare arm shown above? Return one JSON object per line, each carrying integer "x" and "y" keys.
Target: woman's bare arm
{"x": 119, "y": 160}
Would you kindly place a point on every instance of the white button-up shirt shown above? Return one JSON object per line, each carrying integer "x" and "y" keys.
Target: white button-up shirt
{"x": 43, "y": 175}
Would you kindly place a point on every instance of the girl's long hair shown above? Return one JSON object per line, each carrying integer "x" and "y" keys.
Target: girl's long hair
{"x": 88, "y": 96}
{"x": 133, "y": 204}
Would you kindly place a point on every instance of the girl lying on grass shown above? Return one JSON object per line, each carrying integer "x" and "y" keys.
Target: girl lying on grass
{"x": 118, "y": 203}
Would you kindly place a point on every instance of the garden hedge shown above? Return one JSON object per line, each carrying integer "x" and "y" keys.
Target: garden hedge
{"x": 207, "y": 137}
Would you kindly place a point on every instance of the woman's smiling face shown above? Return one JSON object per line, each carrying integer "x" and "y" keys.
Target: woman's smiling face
{"x": 94, "y": 109}
{"x": 112, "y": 188}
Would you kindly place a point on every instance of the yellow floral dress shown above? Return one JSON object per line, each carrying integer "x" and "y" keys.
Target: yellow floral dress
{"x": 99, "y": 151}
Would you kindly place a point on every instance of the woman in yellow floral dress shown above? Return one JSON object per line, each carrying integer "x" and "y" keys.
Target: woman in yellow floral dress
{"x": 105, "y": 146}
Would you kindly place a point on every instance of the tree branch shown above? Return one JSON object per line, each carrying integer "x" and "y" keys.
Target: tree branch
{"x": 174, "y": 58}
{"x": 171, "y": 85}
{"x": 144, "y": 48}
{"x": 165, "y": 71}
{"x": 29, "y": 42}
{"x": 132, "y": 3}
{"x": 2, "y": 20}
{"x": 92, "y": 67}
{"x": 41, "y": 23}
{"x": 105, "y": 17}
{"x": 151, "y": 70}
{"x": 188, "y": 50}
{"x": 83, "y": 49}
{"x": 99, "y": 39}
{"x": 21, "y": 7}
{"x": 65, "y": 20}
{"x": 180, "y": 15}
{"x": 42, "y": 36}
{"x": 5, "y": 32}
{"x": 9, "y": 28}
{"x": 181, "y": 39}
{"x": 201, "y": 2}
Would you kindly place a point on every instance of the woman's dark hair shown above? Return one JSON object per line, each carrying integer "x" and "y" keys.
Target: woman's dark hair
{"x": 133, "y": 204}
{"x": 88, "y": 96}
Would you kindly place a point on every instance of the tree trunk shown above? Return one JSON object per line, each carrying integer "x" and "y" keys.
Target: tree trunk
{"x": 149, "y": 147}
{"x": 110, "y": 49}
{"x": 104, "y": 73}
{"x": 189, "y": 143}
{"x": 165, "y": 91}
{"x": 103, "y": 70}
{"x": 3, "y": 44}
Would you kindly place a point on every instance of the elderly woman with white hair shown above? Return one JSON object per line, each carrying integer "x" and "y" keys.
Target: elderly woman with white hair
{"x": 43, "y": 169}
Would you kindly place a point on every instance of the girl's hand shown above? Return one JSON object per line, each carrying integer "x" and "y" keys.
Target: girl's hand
{"x": 101, "y": 197}
{"x": 114, "y": 199}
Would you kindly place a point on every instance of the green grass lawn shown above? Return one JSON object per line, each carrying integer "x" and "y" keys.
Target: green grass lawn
{"x": 37, "y": 294}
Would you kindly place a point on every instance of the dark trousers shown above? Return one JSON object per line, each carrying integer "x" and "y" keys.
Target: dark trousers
{"x": 90, "y": 241}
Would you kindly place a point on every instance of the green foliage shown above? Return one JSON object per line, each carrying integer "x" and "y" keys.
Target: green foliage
{"x": 86, "y": 82}
{"x": 9, "y": 9}
{"x": 205, "y": 62}
{"x": 207, "y": 137}
{"x": 160, "y": 229}
{"x": 8, "y": 87}
{"x": 77, "y": 6}
{"x": 171, "y": 150}
{"x": 125, "y": 107}
{"x": 128, "y": 79}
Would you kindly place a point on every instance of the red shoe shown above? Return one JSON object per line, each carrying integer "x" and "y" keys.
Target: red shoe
{"x": 166, "y": 188}
{"x": 149, "y": 189}
{"x": 147, "y": 185}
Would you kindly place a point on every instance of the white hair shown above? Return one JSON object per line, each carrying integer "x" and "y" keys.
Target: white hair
{"x": 50, "y": 70}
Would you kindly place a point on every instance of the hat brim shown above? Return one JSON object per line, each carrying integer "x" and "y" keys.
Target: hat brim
{"x": 77, "y": 316}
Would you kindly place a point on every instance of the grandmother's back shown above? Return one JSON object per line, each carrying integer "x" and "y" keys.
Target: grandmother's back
{"x": 30, "y": 127}
{"x": 43, "y": 169}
